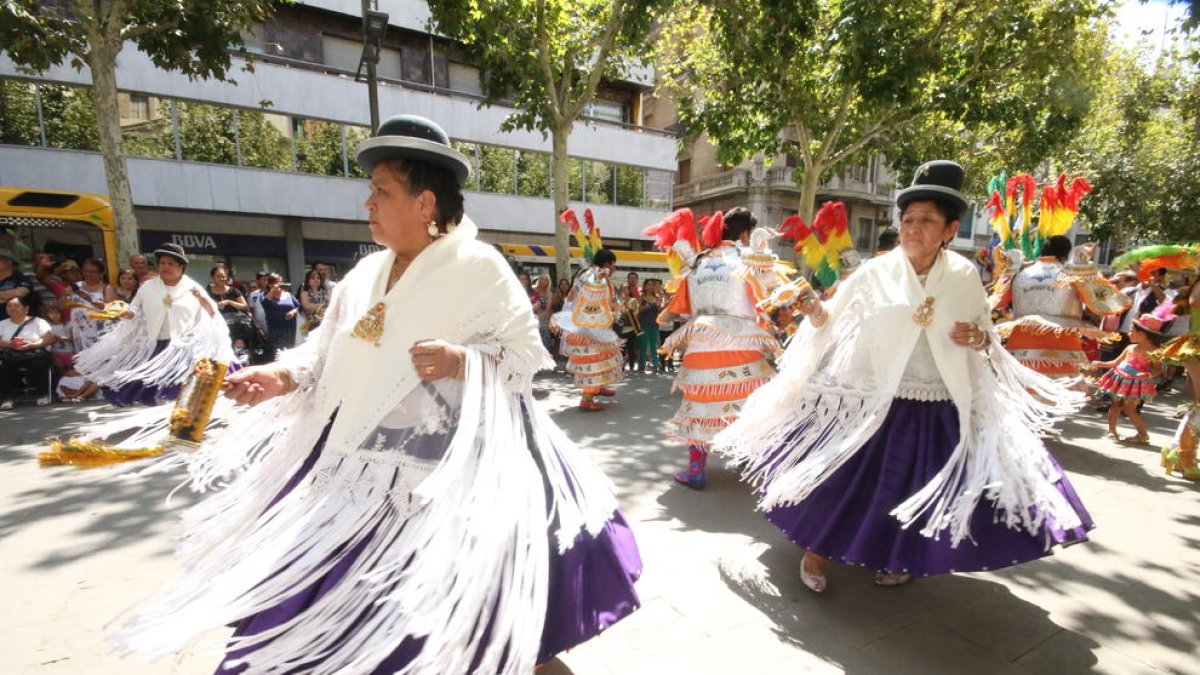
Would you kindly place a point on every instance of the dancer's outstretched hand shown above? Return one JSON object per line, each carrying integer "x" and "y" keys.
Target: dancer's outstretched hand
{"x": 251, "y": 386}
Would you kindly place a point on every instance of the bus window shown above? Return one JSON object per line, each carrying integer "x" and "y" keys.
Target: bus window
{"x": 73, "y": 225}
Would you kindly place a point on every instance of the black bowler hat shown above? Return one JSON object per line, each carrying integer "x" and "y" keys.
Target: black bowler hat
{"x": 938, "y": 179}
{"x": 172, "y": 250}
{"x": 413, "y": 137}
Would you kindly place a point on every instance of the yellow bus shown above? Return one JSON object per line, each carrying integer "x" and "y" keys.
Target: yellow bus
{"x": 648, "y": 264}
{"x": 75, "y": 225}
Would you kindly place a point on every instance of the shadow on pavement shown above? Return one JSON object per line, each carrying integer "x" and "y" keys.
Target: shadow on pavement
{"x": 946, "y": 624}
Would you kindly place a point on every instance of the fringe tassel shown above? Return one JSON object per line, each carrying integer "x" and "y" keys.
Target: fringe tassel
{"x": 678, "y": 340}
{"x": 126, "y": 345}
{"x": 89, "y": 454}
{"x": 1000, "y": 457}
{"x": 466, "y": 553}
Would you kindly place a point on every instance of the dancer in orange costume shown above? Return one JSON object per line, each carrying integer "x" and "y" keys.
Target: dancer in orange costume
{"x": 592, "y": 348}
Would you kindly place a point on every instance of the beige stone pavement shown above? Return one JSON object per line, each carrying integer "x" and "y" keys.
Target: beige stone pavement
{"x": 721, "y": 592}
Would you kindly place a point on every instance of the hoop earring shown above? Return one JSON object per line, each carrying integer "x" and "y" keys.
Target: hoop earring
{"x": 432, "y": 229}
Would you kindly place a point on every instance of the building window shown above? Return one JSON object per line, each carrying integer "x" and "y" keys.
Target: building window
{"x": 472, "y": 152}
{"x": 414, "y": 60}
{"x": 497, "y": 169}
{"x": 576, "y": 177}
{"x": 685, "y": 171}
{"x": 533, "y": 174}
{"x": 139, "y": 107}
{"x": 599, "y": 182}
{"x": 631, "y": 185}
{"x": 658, "y": 189}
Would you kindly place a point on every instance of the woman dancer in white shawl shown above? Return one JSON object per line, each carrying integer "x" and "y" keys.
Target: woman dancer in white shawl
{"x": 399, "y": 503}
{"x": 896, "y": 404}
{"x": 169, "y": 326}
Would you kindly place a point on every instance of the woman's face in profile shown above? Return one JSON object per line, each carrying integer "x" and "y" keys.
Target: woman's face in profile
{"x": 397, "y": 217}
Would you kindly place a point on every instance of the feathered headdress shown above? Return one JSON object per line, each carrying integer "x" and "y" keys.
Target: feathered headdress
{"x": 808, "y": 243}
{"x": 714, "y": 228}
{"x": 582, "y": 240}
{"x": 833, "y": 228}
{"x": 675, "y": 235}
{"x": 593, "y": 231}
{"x": 1158, "y": 257}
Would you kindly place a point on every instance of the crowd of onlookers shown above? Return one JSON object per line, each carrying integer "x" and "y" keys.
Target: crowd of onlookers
{"x": 45, "y": 318}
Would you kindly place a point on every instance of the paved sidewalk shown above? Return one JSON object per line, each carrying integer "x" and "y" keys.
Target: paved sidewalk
{"x": 721, "y": 590}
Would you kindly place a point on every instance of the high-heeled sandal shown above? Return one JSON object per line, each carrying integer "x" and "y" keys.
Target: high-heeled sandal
{"x": 814, "y": 582}
{"x": 1140, "y": 439}
{"x": 1112, "y": 436}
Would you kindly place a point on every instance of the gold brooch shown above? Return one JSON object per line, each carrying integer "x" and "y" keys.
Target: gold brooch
{"x": 370, "y": 327}
{"x": 924, "y": 314}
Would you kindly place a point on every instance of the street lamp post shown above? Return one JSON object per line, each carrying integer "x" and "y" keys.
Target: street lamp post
{"x": 375, "y": 25}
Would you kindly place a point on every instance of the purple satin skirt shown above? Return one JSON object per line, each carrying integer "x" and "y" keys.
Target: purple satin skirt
{"x": 591, "y": 588}
{"x": 847, "y": 518}
{"x": 133, "y": 393}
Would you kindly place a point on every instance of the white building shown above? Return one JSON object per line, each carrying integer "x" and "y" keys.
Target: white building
{"x": 261, "y": 174}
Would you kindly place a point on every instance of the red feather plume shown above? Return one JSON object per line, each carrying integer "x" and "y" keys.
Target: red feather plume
{"x": 589, "y": 219}
{"x": 668, "y": 231}
{"x": 794, "y": 228}
{"x": 568, "y": 216}
{"x": 714, "y": 227}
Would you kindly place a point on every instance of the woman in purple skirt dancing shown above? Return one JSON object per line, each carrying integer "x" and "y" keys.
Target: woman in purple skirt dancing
{"x": 396, "y": 500}
{"x": 169, "y": 325}
{"x": 897, "y": 406}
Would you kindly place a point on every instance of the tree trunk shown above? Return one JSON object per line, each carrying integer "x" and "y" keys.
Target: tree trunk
{"x": 103, "y": 61}
{"x": 562, "y": 237}
{"x": 808, "y": 192}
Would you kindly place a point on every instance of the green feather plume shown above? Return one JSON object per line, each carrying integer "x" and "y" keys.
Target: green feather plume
{"x": 1137, "y": 255}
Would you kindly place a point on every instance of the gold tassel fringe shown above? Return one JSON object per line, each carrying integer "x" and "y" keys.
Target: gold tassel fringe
{"x": 87, "y": 454}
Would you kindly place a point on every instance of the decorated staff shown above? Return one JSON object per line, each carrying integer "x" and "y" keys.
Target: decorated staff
{"x": 592, "y": 347}
{"x": 726, "y": 340}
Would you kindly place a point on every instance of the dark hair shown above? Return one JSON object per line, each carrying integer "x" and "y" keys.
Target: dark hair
{"x": 888, "y": 239}
{"x": 949, "y": 209}
{"x": 1057, "y": 246}
{"x": 98, "y": 263}
{"x": 218, "y": 266}
{"x": 21, "y": 299}
{"x": 603, "y": 257}
{"x": 437, "y": 179}
{"x": 310, "y": 274}
{"x": 738, "y": 221}
{"x": 1156, "y": 339}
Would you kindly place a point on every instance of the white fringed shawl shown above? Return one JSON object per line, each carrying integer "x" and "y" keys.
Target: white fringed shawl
{"x": 444, "y": 550}
{"x": 837, "y": 383}
{"x": 125, "y": 353}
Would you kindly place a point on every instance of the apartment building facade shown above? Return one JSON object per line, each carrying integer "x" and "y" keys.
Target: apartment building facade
{"x": 261, "y": 173}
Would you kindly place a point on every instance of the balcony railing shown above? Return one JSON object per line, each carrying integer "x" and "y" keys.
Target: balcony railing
{"x": 780, "y": 177}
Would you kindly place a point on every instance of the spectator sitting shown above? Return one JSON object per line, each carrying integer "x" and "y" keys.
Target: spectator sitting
{"x": 13, "y": 284}
{"x": 23, "y": 353}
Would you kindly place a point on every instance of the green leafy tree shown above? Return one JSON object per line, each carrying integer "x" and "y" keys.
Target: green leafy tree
{"x": 193, "y": 38}
{"x": 321, "y": 149}
{"x": 1140, "y": 149}
{"x": 18, "y": 113}
{"x": 833, "y": 80}
{"x": 548, "y": 57}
